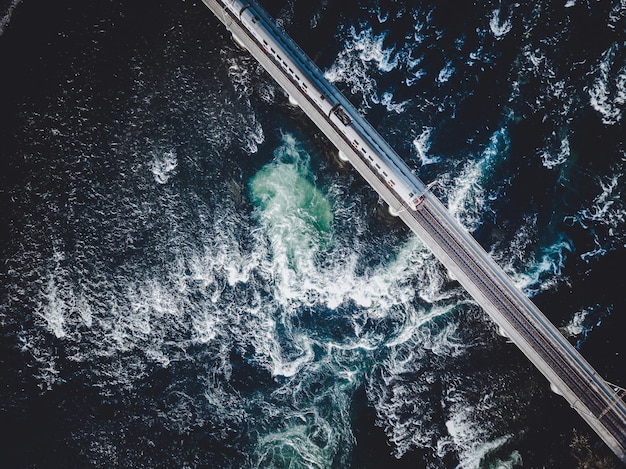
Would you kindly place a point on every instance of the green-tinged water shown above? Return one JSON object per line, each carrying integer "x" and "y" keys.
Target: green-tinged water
{"x": 296, "y": 214}
{"x": 188, "y": 281}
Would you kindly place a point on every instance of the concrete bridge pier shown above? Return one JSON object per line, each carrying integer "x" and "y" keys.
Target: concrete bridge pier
{"x": 394, "y": 212}
{"x": 555, "y": 389}
{"x": 238, "y": 41}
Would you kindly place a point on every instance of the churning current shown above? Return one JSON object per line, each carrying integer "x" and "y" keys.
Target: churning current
{"x": 191, "y": 277}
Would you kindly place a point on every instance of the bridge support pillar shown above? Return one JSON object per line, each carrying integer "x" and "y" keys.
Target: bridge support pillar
{"x": 393, "y": 212}
{"x": 502, "y": 332}
{"x": 293, "y": 101}
{"x": 555, "y": 390}
{"x": 238, "y": 41}
{"x": 342, "y": 156}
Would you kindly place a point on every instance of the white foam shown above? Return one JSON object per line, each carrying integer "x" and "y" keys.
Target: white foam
{"x": 383, "y": 291}
{"x": 289, "y": 366}
{"x": 253, "y": 137}
{"x": 402, "y": 414}
{"x": 240, "y": 77}
{"x": 442, "y": 346}
{"x": 606, "y": 211}
{"x": 422, "y": 146}
{"x": 445, "y": 73}
{"x": 85, "y": 310}
{"x": 514, "y": 460}
{"x": 576, "y": 326}
{"x": 544, "y": 273}
{"x": 472, "y": 443}
{"x": 387, "y": 100}
{"x": 370, "y": 48}
{"x": 53, "y": 310}
{"x": 402, "y": 390}
{"x": 267, "y": 92}
{"x": 498, "y": 27}
{"x": 618, "y": 12}
{"x": 48, "y": 373}
{"x": 551, "y": 159}
{"x": 466, "y": 194}
{"x": 307, "y": 438}
{"x": 163, "y": 165}
{"x": 285, "y": 17}
{"x": 382, "y": 17}
{"x": 222, "y": 294}
{"x": 607, "y": 94}
{"x": 298, "y": 274}
{"x": 362, "y": 50}
{"x": 411, "y": 55}
{"x": 465, "y": 197}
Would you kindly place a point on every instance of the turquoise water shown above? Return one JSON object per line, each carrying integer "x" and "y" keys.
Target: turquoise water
{"x": 191, "y": 278}
{"x": 296, "y": 215}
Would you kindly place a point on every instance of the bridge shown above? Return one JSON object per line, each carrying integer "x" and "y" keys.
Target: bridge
{"x": 516, "y": 316}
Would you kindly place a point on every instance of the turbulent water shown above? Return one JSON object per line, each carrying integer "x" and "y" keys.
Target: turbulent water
{"x": 192, "y": 278}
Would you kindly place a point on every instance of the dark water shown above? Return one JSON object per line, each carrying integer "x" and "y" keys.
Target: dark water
{"x": 190, "y": 278}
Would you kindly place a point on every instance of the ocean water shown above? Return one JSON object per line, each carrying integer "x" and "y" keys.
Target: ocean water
{"x": 191, "y": 278}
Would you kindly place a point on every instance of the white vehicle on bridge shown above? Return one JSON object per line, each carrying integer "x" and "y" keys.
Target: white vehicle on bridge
{"x": 304, "y": 74}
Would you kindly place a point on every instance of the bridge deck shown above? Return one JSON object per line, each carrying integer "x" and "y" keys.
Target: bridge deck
{"x": 595, "y": 400}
